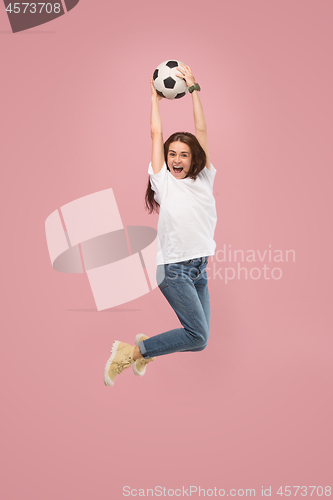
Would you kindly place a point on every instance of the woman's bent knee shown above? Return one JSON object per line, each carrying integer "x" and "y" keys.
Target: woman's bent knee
{"x": 200, "y": 339}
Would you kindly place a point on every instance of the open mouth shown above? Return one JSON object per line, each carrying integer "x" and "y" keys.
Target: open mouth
{"x": 178, "y": 170}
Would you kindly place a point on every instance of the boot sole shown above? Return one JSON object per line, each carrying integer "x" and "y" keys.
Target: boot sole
{"x": 107, "y": 380}
{"x": 137, "y": 340}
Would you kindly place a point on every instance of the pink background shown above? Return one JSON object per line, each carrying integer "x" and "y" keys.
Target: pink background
{"x": 253, "y": 409}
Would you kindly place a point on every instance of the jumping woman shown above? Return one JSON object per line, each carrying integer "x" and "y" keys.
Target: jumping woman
{"x": 180, "y": 189}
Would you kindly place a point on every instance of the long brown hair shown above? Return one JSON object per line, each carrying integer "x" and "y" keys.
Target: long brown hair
{"x": 198, "y": 164}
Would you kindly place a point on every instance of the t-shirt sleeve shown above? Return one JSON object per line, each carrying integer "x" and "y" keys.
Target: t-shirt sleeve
{"x": 157, "y": 181}
{"x": 209, "y": 174}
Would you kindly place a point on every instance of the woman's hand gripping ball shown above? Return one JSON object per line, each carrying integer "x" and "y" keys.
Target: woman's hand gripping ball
{"x": 154, "y": 94}
{"x": 186, "y": 74}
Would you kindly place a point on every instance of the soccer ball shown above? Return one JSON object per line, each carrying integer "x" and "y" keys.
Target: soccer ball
{"x": 166, "y": 83}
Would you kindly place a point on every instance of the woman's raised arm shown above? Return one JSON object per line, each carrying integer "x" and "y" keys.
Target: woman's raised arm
{"x": 157, "y": 156}
{"x": 199, "y": 117}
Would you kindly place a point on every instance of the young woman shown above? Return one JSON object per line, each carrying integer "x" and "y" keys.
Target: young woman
{"x": 180, "y": 188}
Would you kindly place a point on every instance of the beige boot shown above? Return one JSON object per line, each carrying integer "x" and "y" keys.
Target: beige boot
{"x": 120, "y": 359}
{"x": 139, "y": 366}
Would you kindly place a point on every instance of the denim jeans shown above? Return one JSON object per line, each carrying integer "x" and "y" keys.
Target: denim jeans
{"x": 184, "y": 285}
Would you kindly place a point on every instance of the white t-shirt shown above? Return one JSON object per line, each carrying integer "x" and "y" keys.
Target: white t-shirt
{"x": 187, "y": 216}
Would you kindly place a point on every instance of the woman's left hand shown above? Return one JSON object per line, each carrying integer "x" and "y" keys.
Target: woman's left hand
{"x": 186, "y": 74}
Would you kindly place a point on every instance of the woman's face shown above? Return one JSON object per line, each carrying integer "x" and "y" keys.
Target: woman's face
{"x": 179, "y": 159}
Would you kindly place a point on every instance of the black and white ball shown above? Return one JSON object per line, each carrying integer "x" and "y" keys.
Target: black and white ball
{"x": 166, "y": 83}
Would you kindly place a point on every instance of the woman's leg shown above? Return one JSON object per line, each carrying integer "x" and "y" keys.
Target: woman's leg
{"x": 185, "y": 287}
{"x": 203, "y": 294}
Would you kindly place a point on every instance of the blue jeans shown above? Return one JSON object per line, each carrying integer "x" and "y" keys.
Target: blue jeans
{"x": 184, "y": 285}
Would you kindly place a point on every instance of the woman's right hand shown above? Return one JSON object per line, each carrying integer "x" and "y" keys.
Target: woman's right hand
{"x": 153, "y": 91}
